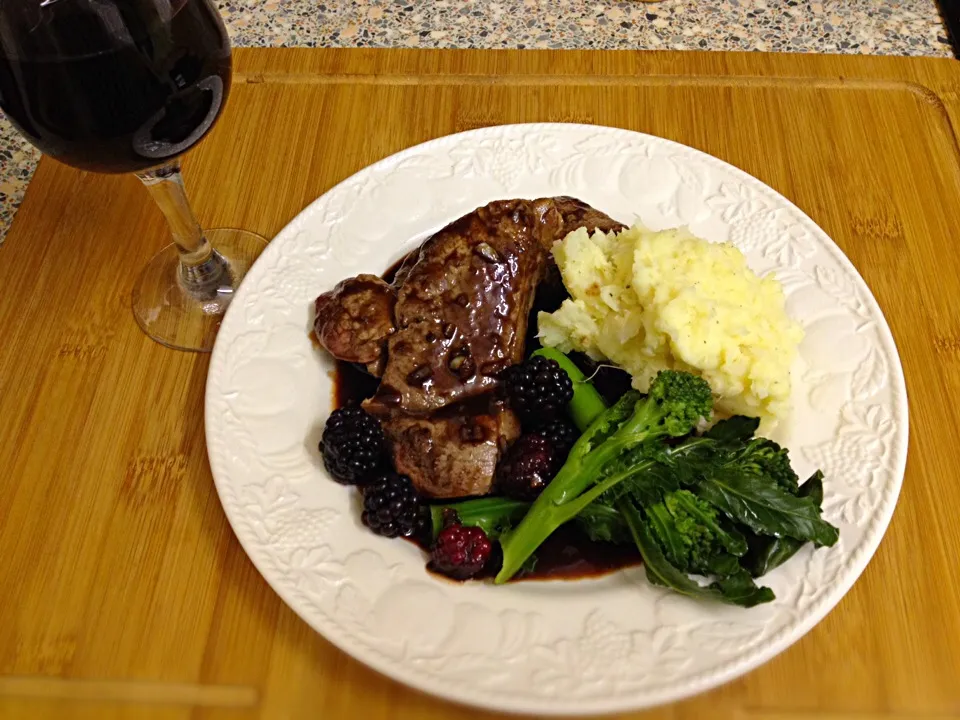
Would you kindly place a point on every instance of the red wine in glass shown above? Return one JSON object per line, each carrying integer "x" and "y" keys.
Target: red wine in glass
{"x": 117, "y": 86}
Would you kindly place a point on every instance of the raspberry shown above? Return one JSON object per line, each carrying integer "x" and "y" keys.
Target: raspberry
{"x": 460, "y": 552}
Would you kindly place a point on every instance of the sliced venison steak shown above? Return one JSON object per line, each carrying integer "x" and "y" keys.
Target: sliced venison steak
{"x": 462, "y": 310}
{"x": 451, "y": 454}
{"x": 355, "y": 319}
{"x": 559, "y": 216}
{"x": 464, "y": 302}
{"x": 455, "y": 316}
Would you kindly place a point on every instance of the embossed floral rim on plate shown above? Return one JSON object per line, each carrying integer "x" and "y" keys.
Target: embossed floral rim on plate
{"x": 563, "y": 647}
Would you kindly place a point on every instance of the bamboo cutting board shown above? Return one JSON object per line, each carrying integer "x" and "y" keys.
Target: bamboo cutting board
{"x": 124, "y": 592}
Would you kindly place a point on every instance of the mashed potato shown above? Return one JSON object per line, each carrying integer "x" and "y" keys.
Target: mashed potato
{"x": 649, "y": 301}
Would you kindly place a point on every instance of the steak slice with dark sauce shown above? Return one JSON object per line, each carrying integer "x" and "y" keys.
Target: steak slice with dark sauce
{"x": 462, "y": 310}
{"x": 455, "y": 317}
{"x": 453, "y": 453}
{"x": 559, "y": 216}
{"x": 464, "y": 303}
{"x": 355, "y": 319}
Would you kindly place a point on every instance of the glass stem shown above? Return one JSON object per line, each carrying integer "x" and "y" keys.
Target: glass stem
{"x": 203, "y": 273}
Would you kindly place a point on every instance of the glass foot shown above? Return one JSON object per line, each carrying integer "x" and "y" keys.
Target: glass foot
{"x": 189, "y": 320}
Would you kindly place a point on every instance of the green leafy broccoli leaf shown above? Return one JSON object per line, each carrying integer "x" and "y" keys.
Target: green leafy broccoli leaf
{"x": 739, "y": 428}
{"x": 767, "y": 553}
{"x": 764, "y": 507}
{"x": 718, "y": 505}
{"x": 738, "y": 589}
{"x": 602, "y": 523}
{"x": 723, "y": 565}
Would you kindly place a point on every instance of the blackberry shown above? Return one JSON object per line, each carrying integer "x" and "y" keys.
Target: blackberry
{"x": 352, "y": 445}
{"x": 538, "y": 390}
{"x": 561, "y": 433}
{"x": 391, "y": 507}
{"x": 529, "y": 464}
{"x": 460, "y": 552}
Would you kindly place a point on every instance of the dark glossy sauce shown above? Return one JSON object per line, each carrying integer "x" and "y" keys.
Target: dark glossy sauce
{"x": 391, "y": 274}
{"x": 565, "y": 555}
{"x": 568, "y": 555}
{"x": 352, "y": 385}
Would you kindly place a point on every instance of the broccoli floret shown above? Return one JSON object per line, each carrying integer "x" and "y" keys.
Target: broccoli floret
{"x": 768, "y": 459}
{"x": 681, "y": 400}
{"x": 699, "y": 541}
{"x": 687, "y": 508}
{"x": 691, "y": 535}
{"x": 673, "y": 406}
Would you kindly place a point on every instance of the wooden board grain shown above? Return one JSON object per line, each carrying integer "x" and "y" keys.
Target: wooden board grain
{"x": 125, "y": 594}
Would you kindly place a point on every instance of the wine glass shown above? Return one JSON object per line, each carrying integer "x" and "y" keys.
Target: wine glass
{"x": 128, "y": 86}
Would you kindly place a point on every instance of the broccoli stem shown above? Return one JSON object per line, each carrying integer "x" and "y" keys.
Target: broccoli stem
{"x": 546, "y": 515}
{"x": 491, "y": 514}
{"x": 674, "y": 404}
{"x": 566, "y": 496}
{"x": 587, "y": 403}
{"x": 586, "y": 459}
{"x": 581, "y": 469}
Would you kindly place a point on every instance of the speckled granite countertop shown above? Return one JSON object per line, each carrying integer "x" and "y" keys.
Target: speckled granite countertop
{"x": 890, "y": 27}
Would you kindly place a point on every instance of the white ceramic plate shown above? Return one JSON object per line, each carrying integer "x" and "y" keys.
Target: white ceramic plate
{"x": 562, "y": 647}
